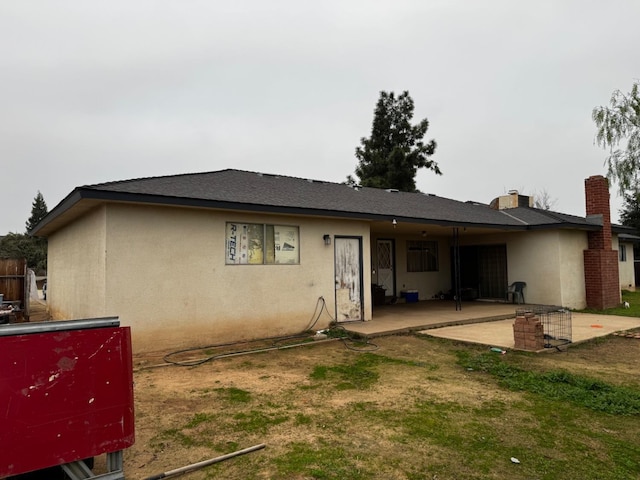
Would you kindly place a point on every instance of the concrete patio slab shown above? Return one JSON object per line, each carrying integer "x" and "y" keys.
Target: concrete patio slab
{"x": 584, "y": 326}
{"x": 484, "y": 323}
{"x": 410, "y": 317}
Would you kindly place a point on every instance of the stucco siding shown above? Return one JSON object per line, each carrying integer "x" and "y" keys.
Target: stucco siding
{"x": 550, "y": 262}
{"x": 76, "y": 268}
{"x": 167, "y": 278}
{"x": 534, "y": 258}
{"x": 427, "y": 283}
{"x": 572, "y": 246}
{"x": 625, "y": 268}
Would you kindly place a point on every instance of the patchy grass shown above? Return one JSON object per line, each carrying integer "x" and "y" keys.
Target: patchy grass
{"x": 360, "y": 374}
{"x": 633, "y": 298}
{"x": 557, "y": 385}
{"x": 234, "y": 395}
{"x": 416, "y": 409}
{"x": 323, "y": 461}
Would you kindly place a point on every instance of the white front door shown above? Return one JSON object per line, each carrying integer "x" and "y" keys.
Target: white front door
{"x": 385, "y": 266}
{"x": 348, "y": 267}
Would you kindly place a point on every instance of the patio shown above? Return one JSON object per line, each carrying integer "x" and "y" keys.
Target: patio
{"x": 411, "y": 317}
{"x": 485, "y": 323}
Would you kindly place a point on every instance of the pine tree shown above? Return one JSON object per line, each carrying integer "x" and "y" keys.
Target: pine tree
{"x": 38, "y": 212}
{"x": 391, "y": 157}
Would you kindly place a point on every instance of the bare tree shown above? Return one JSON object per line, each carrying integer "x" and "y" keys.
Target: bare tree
{"x": 542, "y": 199}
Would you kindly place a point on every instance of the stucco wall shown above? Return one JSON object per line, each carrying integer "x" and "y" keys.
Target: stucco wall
{"x": 427, "y": 283}
{"x": 572, "y": 277}
{"x": 625, "y": 269}
{"x": 550, "y": 262}
{"x": 76, "y": 268}
{"x": 167, "y": 278}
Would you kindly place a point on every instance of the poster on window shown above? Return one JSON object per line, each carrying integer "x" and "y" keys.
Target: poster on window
{"x": 244, "y": 243}
{"x": 286, "y": 244}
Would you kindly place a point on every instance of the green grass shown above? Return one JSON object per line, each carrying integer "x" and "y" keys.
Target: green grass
{"x": 633, "y": 298}
{"x": 325, "y": 461}
{"x": 557, "y": 385}
{"x": 362, "y": 373}
{"x": 257, "y": 421}
{"x": 234, "y": 395}
{"x": 203, "y": 427}
{"x": 460, "y": 412}
{"x": 199, "y": 418}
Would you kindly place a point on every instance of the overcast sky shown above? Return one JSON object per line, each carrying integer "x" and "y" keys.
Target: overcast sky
{"x": 95, "y": 91}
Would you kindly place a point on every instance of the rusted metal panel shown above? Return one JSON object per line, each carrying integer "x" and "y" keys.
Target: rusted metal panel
{"x": 64, "y": 396}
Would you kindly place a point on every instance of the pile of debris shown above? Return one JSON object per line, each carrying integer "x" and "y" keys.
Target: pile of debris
{"x": 7, "y": 314}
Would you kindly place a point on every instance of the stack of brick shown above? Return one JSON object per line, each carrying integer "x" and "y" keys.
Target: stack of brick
{"x": 528, "y": 332}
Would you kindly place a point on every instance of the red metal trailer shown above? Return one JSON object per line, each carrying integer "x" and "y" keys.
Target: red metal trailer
{"x": 66, "y": 394}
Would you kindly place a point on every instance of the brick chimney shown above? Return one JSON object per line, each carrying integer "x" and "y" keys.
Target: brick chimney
{"x": 600, "y": 261}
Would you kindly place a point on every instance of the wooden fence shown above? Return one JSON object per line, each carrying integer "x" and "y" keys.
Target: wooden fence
{"x": 13, "y": 281}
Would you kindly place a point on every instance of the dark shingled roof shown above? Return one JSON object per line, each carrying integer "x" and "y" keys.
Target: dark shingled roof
{"x": 242, "y": 190}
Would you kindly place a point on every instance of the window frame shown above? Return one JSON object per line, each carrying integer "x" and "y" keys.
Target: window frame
{"x": 422, "y": 256}
{"x": 622, "y": 253}
{"x": 250, "y": 243}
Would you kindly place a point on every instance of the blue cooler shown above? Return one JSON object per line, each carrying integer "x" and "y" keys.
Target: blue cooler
{"x": 410, "y": 296}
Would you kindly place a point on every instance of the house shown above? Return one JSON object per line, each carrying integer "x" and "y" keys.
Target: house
{"x": 629, "y": 260}
{"x": 198, "y": 259}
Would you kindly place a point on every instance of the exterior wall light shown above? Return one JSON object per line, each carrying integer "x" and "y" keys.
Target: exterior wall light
{"x": 394, "y": 223}
{"x": 327, "y": 239}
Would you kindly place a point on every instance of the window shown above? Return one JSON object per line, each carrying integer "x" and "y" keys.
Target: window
{"x": 622, "y": 252}
{"x": 422, "y": 256}
{"x": 259, "y": 244}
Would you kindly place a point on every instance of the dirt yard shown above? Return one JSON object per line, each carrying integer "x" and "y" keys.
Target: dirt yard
{"x": 405, "y": 410}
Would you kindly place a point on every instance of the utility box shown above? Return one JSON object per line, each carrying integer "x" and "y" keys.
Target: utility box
{"x": 66, "y": 393}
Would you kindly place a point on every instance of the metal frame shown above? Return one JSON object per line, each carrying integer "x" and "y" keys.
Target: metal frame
{"x": 457, "y": 286}
{"x": 80, "y": 471}
{"x": 556, "y": 322}
{"x": 57, "y": 326}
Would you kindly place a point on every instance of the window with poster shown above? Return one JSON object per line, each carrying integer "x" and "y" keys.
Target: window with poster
{"x": 261, "y": 244}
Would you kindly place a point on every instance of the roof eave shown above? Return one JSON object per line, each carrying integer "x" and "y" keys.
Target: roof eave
{"x": 49, "y": 225}
{"x": 40, "y": 230}
{"x": 566, "y": 226}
